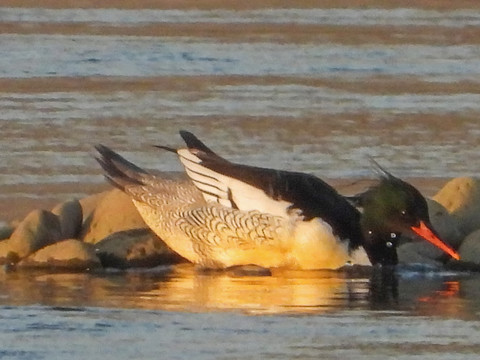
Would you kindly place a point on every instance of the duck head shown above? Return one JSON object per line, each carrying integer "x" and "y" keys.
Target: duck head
{"x": 392, "y": 208}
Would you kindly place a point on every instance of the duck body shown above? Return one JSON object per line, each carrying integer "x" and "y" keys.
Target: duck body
{"x": 231, "y": 214}
{"x": 280, "y": 226}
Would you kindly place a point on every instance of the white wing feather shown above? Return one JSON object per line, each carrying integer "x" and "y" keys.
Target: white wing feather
{"x": 217, "y": 187}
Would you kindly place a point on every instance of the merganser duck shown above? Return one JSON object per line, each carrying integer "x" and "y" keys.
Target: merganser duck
{"x": 232, "y": 214}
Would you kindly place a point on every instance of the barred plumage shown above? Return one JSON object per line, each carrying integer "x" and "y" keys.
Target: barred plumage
{"x": 214, "y": 235}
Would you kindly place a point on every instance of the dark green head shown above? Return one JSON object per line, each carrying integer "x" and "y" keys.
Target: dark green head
{"x": 391, "y": 208}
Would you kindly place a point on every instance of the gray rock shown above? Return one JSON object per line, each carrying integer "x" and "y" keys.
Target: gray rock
{"x": 71, "y": 218}
{"x": 68, "y": 254}
{"x": 444, "y": 224}
{"x": 39, "y": 229}
{"x": 419, "y": 253}
{"x": 470, "y": 249}
{"x": 135, "y": 248}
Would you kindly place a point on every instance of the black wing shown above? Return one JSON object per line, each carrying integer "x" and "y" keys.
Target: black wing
{"x": 255, "y": 188}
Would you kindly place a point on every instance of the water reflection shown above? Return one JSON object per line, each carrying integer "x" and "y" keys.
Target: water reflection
{"x": 383, "y": 289}
{"x": 285, "y": 291}
{"x": 182, "y": 288}
{"x": 449, "y": 299}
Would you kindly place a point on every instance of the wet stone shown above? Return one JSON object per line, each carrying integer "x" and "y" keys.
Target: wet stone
{"x": 248, "y": 270}
{"x": 68, "y": 254}
{"x": 135, "y": 248}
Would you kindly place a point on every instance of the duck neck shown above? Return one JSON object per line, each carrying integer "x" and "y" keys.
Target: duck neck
{"x": 381, "y": 247}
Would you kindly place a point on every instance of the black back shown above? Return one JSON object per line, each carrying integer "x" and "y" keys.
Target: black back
{"x": 311, "y": 196}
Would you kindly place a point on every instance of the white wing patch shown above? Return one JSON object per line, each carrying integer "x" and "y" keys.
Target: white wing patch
{"x": 229, "y": 191}
{"x": 205, "y": 179}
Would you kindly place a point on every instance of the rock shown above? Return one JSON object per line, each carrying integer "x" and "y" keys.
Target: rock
{"x": 39, "y": 229}
{"x": 68, "y": 254}
{"x": 470, "y": 249}
{"x": 89, "y": 204}
{"x": 6, "y": 230}
{"x": 135, "y": 248}
{"x": 248, "y": 270}
{"x": 419, "y": 253}
{"x": 444, "y": 224}
{"x": 114, "y": 212}
{"x": 71, "y": 218}
{"x": 415, "y": 251}
{"x": 461, "y": 197}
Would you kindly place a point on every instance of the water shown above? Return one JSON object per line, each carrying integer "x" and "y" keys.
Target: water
{"x": 298, "y": 86}
{"x": 180, "y": 313}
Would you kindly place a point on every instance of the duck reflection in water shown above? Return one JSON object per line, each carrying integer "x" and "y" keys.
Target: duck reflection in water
{"x": 383, "y": 287}
{"x": 183, "y": 288}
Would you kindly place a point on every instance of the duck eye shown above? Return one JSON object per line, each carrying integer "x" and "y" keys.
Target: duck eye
{"x": 403, "y": 212}
{"x": 389, "y": 244}
{"x": 393, "y": 235}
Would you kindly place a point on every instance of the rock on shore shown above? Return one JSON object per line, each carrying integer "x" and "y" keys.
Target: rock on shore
{"x": 135, "y": 248}
{"x": 64, "y": 238}
{"x": 113, "y": 212}
{"x": 39, "y": 229}
{"x": 70, "y": 216}
{"x": 70, "y": 254}
{"x": 6, "y": 230}
{"x": 461, "y": 197}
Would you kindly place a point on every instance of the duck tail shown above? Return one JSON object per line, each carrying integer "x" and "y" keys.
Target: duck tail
{"x": 117, "y": 170}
